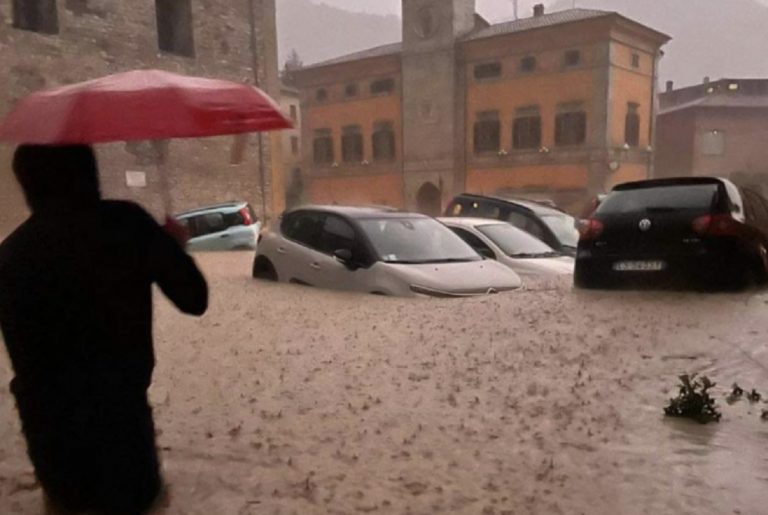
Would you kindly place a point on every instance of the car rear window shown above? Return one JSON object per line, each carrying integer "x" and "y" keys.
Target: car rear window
{"x": 233, "y": 219}
{"x": 671, "y": 197}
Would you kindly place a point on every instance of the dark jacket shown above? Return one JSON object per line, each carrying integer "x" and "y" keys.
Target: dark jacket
{"x": 76, "y": 315}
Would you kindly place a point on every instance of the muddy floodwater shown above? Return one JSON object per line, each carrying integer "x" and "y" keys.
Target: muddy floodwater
{"x": 288, "y": 400}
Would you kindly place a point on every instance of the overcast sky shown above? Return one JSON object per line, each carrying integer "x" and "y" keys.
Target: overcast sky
{"x": 494, "y": 10}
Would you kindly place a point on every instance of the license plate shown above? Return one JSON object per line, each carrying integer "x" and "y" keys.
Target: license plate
{"x": 639, "y": 266}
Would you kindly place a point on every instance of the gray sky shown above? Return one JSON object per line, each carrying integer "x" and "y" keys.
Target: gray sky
{"x": 494, "y": 10}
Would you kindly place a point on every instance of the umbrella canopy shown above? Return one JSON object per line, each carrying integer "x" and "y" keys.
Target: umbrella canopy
{"x": 140, "y": 105}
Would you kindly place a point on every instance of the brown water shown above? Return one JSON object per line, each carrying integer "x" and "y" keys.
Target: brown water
{"x": 288, "y": 400}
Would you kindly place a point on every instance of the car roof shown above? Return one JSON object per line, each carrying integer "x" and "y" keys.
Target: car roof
{"x": 466, "y": 221}
{"x": 214, "y": 207}
{"x": 532, "y": 205}
{"x": 359, "y": 212}
{"x": 673, "y": 181}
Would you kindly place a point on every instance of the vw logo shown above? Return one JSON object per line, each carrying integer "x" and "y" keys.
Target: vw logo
{"x": 645, "y": 225}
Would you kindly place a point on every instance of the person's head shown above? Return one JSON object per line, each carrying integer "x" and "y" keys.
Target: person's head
{"x": 57, "y": 175}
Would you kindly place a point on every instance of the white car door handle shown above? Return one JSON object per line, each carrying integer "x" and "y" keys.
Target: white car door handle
{"x": 281, "y": 250}
{"x": 315, "y": 266}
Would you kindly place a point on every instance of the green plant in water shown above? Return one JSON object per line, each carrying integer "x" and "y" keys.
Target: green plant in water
{"x": 694, "y": 400}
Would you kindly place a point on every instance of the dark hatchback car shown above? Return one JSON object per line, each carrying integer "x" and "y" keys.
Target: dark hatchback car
{"x": 689, "y": 231}
{"x": 552, "y": 226}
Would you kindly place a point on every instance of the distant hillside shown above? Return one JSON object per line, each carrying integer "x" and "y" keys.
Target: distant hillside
{"x": 319, "y": 32}
{"x": 714, "y": 38}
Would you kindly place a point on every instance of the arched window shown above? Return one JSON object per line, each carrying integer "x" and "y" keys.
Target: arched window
{"x": 175, "y": 33}
{"x": 487, "y": 132}
{"x": 323, "y": 147}
{"x": 383, "y": 141}
{"x": 352, "y": 144}
{"x": 570, "y": 125}
{"x": 632, "y": 125}
{"x": 526, "y": 129}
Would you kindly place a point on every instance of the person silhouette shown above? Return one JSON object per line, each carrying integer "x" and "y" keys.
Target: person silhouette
{"x": 76, "y": 316}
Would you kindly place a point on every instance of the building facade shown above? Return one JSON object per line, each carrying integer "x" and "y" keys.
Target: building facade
{"x": 47, "y": 43}
{"x": 556, "y": 105}
{"x": 292, "y": 161}
{"x": 715, "y": 128}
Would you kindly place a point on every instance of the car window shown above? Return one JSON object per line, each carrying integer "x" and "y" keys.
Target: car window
{"x": 337, "y": 235}
{"x": 415, "y": 241}
{"x": 564, "y": 227}
{"x": 514, "y": 241}
{"x": 233, "y": 219}
{"x": 701, "y": 197}
{"x": 305, "y": 227}
{"x": 736, "y": 199}
{"x": 208, "y": 223}
{"x": 482, "y": 209}
{"x": 455, "y": 209}
{"x": 526, "y": 223}
{"x": 474, "y": 242}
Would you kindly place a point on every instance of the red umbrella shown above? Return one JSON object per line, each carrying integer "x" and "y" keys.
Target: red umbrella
{"x": 140, "y": 105}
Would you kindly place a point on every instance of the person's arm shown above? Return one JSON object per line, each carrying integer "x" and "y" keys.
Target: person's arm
{"x": 175, "y": 272}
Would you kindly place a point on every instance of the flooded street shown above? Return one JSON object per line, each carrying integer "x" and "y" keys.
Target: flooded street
{"x": 287, "y": 400}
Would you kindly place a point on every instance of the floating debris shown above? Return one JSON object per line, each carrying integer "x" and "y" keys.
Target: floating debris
{"x": 737, "y": 393}
{"x": 694, "y": 401}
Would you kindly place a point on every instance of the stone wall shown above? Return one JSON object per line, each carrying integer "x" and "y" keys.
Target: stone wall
{"x": 99, "y": 37}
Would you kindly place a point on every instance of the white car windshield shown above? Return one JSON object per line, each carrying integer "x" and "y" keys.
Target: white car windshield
{"x": 564, "y": 227}
{"x": 515, "y": 242}
{"x": 416, "y": 241}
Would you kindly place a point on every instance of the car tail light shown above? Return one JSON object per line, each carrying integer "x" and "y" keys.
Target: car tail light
{"x": 716, "y": 225}
{"x": 590, "y": 229}
{"x": 247, "y": 219}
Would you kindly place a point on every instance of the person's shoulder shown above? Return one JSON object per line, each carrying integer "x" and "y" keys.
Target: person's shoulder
{"x": 17, "y": 239}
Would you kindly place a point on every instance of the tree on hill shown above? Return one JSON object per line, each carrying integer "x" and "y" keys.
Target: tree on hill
{"x": 292, "y": 64}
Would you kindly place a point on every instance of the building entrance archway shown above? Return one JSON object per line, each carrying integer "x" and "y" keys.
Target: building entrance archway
{"x": 429, "y": 200}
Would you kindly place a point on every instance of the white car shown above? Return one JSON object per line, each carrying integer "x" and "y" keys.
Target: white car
{"x": 229, "y": 226}
{"x": 378, "y": 251}
{"x": 505, "y": 243}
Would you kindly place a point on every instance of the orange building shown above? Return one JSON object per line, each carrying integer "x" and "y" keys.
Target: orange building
{"x": 557, "y": 105}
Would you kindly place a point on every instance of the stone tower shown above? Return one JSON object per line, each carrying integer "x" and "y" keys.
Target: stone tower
{"x": 433, "y": 100}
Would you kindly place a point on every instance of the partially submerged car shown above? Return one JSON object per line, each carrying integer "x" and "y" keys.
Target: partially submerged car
{"x": 227, "y": 226}
{"x": 701, "y": 231}
{"x": 552, "y": 226}
{"x": 513, "y": 247}
{"x": 378, "y": 251}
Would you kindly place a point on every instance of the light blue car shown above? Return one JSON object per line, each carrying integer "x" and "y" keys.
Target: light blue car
{"x": 227, "y": 226}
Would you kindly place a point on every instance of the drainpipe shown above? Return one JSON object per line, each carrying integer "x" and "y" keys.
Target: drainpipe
{"x": 256, "y": 82}
{"x": 654, "y": 114}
